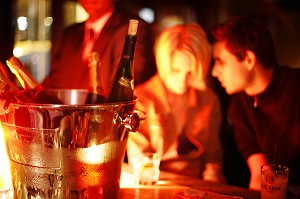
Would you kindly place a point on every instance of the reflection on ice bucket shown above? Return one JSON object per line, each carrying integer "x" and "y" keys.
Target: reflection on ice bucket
{"x": 70, "y": 96}
{"x": 67, "y": 151}
{"x": 5, "y": 178}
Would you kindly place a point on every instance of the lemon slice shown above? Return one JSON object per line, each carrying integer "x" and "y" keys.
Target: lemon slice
{"x": 148, "y": 166}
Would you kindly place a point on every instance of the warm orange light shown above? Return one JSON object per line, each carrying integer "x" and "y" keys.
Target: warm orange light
{"x": 5, "y": 177}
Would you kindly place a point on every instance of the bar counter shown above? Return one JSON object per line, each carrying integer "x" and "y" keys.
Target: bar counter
{"x": 170, "y": 184}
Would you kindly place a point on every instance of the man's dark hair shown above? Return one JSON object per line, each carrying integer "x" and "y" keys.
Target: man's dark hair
{"x": 241, "y": 34}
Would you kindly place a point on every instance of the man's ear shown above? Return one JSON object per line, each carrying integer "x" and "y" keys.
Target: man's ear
{"x": 250, "y": 59}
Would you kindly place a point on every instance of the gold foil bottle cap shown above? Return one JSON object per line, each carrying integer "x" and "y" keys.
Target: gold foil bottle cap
{"x": 133, "y": 25}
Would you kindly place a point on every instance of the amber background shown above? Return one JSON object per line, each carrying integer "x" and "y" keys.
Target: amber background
{"x": 281, "y": 16}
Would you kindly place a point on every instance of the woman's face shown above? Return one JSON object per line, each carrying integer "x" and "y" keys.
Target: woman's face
{"x": 178, "y": 80}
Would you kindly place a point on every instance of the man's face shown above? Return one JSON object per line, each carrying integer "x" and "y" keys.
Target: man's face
{"x": 96, "y": 7}
{"x": 232, "y": 73}
{"x": 178, "y": 80}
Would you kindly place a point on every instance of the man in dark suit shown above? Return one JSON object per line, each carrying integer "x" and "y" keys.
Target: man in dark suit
{"x": 69, "y": 69}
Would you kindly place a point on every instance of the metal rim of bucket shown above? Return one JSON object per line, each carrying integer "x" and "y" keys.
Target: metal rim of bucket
{"x": 49, "y": 106}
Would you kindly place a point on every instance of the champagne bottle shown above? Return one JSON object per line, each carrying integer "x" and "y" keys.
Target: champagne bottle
{"x": 122, "y": 86}
{"x": 9, "y": 92}
{"x": 34, "y": 90}
{"x": 96, "y": 92}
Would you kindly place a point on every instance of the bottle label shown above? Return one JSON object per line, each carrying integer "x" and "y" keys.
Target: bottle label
{"x": 125, "y": 82}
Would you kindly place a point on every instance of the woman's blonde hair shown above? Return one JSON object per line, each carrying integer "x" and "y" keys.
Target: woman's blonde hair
{"x": 190, "y": 38}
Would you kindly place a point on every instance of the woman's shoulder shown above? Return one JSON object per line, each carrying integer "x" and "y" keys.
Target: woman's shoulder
{"x": 152, "y": 94}
{"x": 148, "y": 88}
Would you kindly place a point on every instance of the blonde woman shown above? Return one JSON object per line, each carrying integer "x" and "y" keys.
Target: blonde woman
{"x": 183, "y": 115}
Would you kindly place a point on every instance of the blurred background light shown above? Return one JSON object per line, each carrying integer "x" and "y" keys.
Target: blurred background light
{"x": 18, "y": 51}
{"x": 147, "y": 14}
{"x": 22, "y": 23}
{"x": 48, "y": 21}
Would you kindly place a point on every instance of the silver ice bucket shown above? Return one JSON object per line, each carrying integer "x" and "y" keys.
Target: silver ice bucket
{"x": 70, "y": 96}
{"x": 67, "y": 151}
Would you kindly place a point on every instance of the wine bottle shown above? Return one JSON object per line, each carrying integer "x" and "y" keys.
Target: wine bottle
{"x": 96, "y": 93}
{"x": 34, "y": 90}
{"x": 123, "y": 83}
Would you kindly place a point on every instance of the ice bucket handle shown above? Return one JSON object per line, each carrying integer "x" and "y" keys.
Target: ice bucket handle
{"x": 130, "y": 121}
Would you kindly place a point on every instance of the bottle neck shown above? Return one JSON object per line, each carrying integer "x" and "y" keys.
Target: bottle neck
{"x": 9, "y": 92}
{"x": 29, "y": 82}
{"x": 96, "y": 85}
{"x": 5, "y": 83}
{"x": 127, "y": 59}
{"x": 25, "y": 78}
{"x": 129, "y": 47}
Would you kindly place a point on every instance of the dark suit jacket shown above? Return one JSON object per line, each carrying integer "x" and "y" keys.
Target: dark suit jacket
{"x": 70, "y": 71}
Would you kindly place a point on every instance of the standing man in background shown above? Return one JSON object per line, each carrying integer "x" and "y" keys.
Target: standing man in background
{"x": 266, "y": 106}
{"x": 103, "y": 32}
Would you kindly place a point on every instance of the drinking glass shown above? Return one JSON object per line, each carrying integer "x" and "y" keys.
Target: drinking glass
{"x": 274, "y": 180}
{"x": 146, "y": 168}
